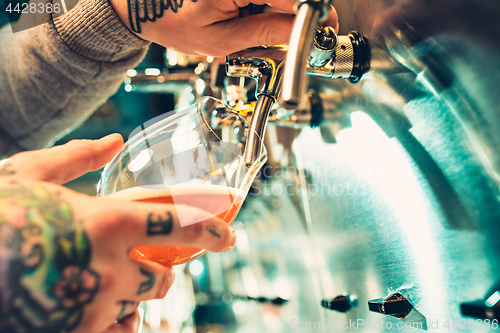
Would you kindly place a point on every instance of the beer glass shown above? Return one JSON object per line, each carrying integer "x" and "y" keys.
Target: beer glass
{"x": 190, "y": 157}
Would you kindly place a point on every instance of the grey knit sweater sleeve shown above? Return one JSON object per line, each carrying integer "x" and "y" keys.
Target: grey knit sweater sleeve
{"x": 53, "y": 76}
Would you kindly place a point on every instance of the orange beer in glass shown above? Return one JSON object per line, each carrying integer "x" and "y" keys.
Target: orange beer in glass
{"x": 207, "y": 198}
{"x": 191, "y": 157}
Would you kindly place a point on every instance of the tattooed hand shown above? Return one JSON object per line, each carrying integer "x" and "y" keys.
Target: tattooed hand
{"x": 208, "y": 27}
{"x": 64, "y": 264}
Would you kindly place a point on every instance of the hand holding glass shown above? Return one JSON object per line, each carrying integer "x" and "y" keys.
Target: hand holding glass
{"x": 191, "y": 157}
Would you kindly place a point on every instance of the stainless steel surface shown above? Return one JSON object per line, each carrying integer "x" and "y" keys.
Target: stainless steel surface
{"x": 257, "y": 128}
{"x": 406, "y": 201}
{"x": 417, "y": 213}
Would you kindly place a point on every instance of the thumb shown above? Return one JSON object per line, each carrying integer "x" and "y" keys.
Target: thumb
{"x": 249, "y": 31}
{"x": 256, "y": 30}
{"x": 64, "y": 163}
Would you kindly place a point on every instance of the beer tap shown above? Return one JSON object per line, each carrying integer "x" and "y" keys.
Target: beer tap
{"x": 265, "y": 65}
{"x": 332, "y": 57}
{"x": 309, "y": 13}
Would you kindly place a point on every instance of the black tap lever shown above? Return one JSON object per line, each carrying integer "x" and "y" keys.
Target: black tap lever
{"x": 395, "y": 305}
{"x": 341, "y": 303}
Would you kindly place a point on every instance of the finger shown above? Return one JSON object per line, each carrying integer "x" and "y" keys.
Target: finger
{"x": 256, "y": 30}
{"x": 149, "y": 280}
{"x": 123, "y": 283}
{"x": 289, "y": 7}
{"x": 284, "y": 5}
{"x": 332, "y": 20}
{"x": 241, "y": 33}
{"x": 108, "y": 316}
{"x": 122, "y": 225}
{"x": 63, "y": 163}
{"x": 129, "y": 324}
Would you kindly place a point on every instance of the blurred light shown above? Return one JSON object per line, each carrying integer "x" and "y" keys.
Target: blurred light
{"x": 363, "y": 128}
{"x": 210, "y": 59}
{"x": 172, "y": 57}
{"x": 243, "y": 243}
{"x": 187, "y": 330}
{"x": 239, "y": 307}
{"x": 154, "y": 314}
{"x": 200, "y": 86}
{"x": 141, "y": 315}
{"x": 250, "y": 282}
{"x": 196, "y": 267}
{"x": 282, "y": 285}
{"x": 131, "y": 72}
{"x": 141, "y": 160}
{"x": 362, "y": 121}
{"x": 127, "y": 80}
{"x": 188, "y": 94}
{"x": 152, "y": 71}
{"x": 493, "y": 299}
{"x": 128, "y": 88}
{"x": 199, "y": 68}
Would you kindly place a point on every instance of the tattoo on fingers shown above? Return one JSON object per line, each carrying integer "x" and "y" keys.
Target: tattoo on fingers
{"x": 147, "y": 284}
{"x": 159, "y": 225}
{"x": 213, "y": 232}
{"x": 127, "y": 307}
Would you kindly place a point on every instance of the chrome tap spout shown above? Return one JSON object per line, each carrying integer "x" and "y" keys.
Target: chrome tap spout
{"x": 264, "y": 64}
{"x": 294, "y": 80}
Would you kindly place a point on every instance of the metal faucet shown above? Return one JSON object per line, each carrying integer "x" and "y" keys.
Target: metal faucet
{"x": 332, "y": 57}
{"x": 310, "y": 12}
{"x": 264, "y": 64}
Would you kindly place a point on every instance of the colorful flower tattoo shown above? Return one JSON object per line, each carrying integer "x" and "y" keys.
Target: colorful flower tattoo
{"x": 46, "y": 256}
{"x": 75, "y": 287}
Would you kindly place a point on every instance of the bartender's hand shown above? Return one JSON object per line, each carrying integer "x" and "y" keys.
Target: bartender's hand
{"x": 64, "y": 262}
{"x": 209, "y": 27}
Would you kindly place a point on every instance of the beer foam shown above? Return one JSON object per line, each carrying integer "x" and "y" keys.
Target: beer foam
{"x": 141, "y": 193}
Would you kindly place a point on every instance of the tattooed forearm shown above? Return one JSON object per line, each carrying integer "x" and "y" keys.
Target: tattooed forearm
{"x": 44, "y": 263}
{"x": 148, "y": 284}
{"x": 140, "y": 11}
{"x": 160, "y": 226}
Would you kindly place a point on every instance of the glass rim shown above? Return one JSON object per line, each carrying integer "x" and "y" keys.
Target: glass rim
{"x": 152, "y": 129}
{"x": 156, "y": 127}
